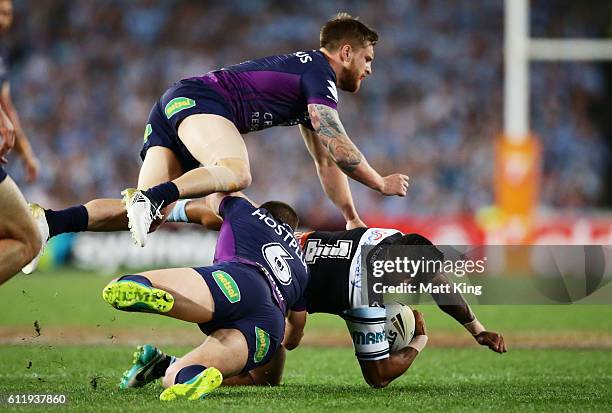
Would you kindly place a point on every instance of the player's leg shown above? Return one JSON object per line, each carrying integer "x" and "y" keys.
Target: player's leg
{"x": 216, "y": 144}
{"x": 244, "y": 334}
{"x": 19, "y": 238}
{"x": 176, "y": 292}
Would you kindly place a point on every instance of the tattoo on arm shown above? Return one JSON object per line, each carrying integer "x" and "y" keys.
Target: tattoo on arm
{"x": 327, "y": 124}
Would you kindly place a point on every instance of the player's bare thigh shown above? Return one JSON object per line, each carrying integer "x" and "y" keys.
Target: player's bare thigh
{"x": 16, "y": 222}
{"x": 214, "y": 140}
{"x": 225, "y": 349}
{"x": 160, "y": 165}
{"x": 193, "y": 301}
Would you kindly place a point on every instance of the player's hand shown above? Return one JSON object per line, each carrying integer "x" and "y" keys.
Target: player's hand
{"x": 492, "y": 340}
{"x": 396, "y": 184}
{"x": 7, "y": 133}
{"x": 419, "y": 324}
{"x": 355, "y": 223}
{"x": 31, "y": 167}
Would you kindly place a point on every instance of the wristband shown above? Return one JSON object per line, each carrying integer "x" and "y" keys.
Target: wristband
{"x": 418, "y": 342}
{"x": 474, "y": 327}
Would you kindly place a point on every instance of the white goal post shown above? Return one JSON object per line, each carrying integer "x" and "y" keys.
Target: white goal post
{"x": 520, "y": 49}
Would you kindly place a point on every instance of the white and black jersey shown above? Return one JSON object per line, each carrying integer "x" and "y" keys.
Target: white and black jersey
{"x": 334, "y": 262}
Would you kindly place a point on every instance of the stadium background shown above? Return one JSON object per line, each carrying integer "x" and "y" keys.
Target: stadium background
{"x": 84, "y": 75}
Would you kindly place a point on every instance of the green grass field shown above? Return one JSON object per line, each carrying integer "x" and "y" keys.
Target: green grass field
{"x": 464, "y": 377}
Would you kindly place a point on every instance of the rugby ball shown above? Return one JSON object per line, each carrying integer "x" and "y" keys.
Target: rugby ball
{"x": 399, "y": 326}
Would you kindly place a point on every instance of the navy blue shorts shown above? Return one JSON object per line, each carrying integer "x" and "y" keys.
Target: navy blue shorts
{"x": 186, "y": 97}
{"x": 243, "y": 301}
{"x": 2, "y": 174}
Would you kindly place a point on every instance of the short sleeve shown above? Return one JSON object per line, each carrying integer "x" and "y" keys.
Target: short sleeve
{"x": 300, "y": 305}
{"x": 229, "y": 204}
{"x": 319, "y": 87}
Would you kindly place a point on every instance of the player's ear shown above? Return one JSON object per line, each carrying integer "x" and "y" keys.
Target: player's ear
{"x": 346, "y": 53}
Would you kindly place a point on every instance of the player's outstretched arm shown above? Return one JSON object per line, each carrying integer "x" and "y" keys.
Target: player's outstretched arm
{"x": 333, "y": 180}
{"x": 22, "y": 144}
{"x": 347, "y": 157}
{"x": 454, "y": 304}
{"x": 379, "y": 373}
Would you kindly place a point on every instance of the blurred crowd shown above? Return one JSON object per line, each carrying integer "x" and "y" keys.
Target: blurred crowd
{"x": 85, "y": 74}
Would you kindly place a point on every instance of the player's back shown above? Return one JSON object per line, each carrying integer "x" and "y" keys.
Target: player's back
{"x": 252, "y": 236}
{"x": 274, "y": 90}
{"x": 334, "y": 263}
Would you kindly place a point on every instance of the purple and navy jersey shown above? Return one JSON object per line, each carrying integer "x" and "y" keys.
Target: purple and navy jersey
{"x": 252, "y": 236}
{"x": 275, "y": 90}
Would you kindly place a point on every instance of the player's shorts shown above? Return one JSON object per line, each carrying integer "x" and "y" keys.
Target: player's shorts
{"x": 3, "y": 174}
{"x": 366, "y": 326}
{"x": 243, "y": 301}
{"x": 186, "y": 97}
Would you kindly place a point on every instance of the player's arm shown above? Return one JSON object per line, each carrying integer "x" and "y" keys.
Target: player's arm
{"x": 348, "y": 158}
{"x": 379, "y": 373}
{"x": 454, "y": 304}
{"x": 333, "y": 180}
{"x": 294, "y": 329}
{"x": 22, "y": 144}
{"x": 270, "y": 374}
{"x": 7, "y": 133}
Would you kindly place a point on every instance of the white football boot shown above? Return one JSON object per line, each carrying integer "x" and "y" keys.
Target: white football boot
{"x": 38, "y": 213}
{"x": 141, "y": 214}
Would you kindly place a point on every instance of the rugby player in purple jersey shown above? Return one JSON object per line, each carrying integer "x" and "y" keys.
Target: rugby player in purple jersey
{"x": 240, "y": 301}
{"x": 19, "y": 239}
{"x": 193, "y": 144}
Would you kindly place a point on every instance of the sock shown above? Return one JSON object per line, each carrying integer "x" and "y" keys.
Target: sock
{"x": 160, "y": 368}
{"x": 178, "y": 213}
{"x": 137, "y": 278}
{"x": 187, "y": 373}
{"x": 163, "y": 194}
{"x": 72, "y": 219}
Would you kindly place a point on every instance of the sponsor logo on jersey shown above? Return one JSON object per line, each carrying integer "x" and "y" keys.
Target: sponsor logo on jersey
{"x": 177, "y": 104}
{"x": 315, "y": 249}
{"x": 262, "y": 344}
{"x": 360, "y": 338}
{"x": 332, "y": 89}
{"x": 148, "y": 131}
{"x": 375, "y": 235}
{"x": 227, "y": 285}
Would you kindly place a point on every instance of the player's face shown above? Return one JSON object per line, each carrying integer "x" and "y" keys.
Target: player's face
{"x": 356, "y": 68}
{"x": 6, "y": 15}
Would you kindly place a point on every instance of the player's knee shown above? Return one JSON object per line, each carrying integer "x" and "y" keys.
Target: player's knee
{"x": 375, "y": 381}
{"x": 240, "y": 173}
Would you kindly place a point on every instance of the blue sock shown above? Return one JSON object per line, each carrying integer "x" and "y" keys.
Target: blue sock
{"x": 188, "y": 372}
{"x": 163, "y": 194}
{"x": 136, "y": 278}
{"x": 72, "y": 219}
{"x": 178, "y": 213}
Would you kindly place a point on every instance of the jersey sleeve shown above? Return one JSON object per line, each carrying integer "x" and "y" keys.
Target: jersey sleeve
{"x": 230, "y": 204}
{"x": 319, "y": 87}
{"x": 300, "y": 305}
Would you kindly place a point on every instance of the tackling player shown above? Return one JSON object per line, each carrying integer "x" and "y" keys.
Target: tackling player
{"x": 335, "y": 288}
{"x": 193, "y": 144}
{"x": 19, "y": 240}
{"x": 240, "y": 302}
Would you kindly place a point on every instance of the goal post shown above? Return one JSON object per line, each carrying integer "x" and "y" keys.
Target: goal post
{"x": 518, "y": 152}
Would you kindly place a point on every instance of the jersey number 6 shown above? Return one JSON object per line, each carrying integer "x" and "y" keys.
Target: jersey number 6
{"x": 276, "y": 256}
